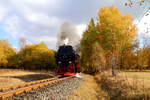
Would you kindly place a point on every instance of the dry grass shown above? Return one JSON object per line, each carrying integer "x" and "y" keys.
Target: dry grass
{"x": 10, "y": 77}
{"x": 137, "y": 79}
{"x": 88, "y": 90}
{"x": 126, "y": 86}
{"x": 138, "y": 75}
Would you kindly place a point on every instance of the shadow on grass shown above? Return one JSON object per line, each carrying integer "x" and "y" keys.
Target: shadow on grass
{"x": 30, "y": 77}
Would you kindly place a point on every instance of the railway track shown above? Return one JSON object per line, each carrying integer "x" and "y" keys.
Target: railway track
{"x": 28, "y": 86}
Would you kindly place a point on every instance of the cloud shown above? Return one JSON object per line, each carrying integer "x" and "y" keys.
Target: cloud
{"x": 39, "y": 20}
{"x": 2, "y": 12}
{"x": 81, "y": 28}
{"x": 30, "y": 19}
{"x": 45, "y": 38}
{"x": 51, "y": 41}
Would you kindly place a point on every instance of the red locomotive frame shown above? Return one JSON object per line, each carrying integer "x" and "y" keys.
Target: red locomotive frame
{"x": 70, "y": 70}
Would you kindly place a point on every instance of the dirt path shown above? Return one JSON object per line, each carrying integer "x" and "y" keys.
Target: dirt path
{"x": 88, "y": 90}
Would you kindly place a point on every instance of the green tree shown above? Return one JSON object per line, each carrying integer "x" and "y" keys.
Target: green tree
{"x": 97, "y": 58}
{"x": 92, "y": 53}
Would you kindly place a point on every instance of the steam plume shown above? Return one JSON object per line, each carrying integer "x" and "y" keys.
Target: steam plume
{"x": 68, "y": 32}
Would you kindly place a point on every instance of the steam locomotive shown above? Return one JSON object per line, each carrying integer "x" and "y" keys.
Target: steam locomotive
{"x": 67, "y": 61}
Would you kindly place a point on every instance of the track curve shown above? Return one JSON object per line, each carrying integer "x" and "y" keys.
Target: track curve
{"x": 29, "y": 86}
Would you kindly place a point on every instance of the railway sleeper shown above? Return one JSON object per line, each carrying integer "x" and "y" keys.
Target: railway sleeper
{"x": 25, "y": 87}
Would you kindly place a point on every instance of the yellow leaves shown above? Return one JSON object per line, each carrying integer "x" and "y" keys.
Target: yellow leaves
{"x": 113, "y": 32}
{"x": 115, "y": 27}
{"x": 108, "y": 14}
{"x": 5, "y": 43}
{"x": 101, "y": 37}
{"x": 6, "y": 51}
{"x": 37, "y": 56}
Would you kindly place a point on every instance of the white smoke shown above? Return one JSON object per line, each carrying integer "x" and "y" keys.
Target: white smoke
{"x": 68, "y": 35}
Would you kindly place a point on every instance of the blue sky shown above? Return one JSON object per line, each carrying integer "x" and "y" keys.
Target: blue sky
{"x": 5, "y": 36}
{"x": 40, "y": 20}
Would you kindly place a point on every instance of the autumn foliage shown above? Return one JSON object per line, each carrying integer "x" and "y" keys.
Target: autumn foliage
{"x": 109, "y": 42}
{"x": 6, "y": 53}
{"x": 113, "y": 35}
{"x": 35, "y": 56}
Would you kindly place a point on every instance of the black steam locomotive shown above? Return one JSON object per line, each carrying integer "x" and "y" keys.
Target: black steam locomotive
{"x": 67, "y": 61}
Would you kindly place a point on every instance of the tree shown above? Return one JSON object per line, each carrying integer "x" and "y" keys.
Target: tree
{"x": 22, "y": 42}
{"x": 129, "y": 59}
{"x": 140, "y": 2}
{"x": 36, "y": 56}
{"x": 113, "y": 34}
{"x": 6, "y": 52}
{"x": 5, "y": 44}
{"x": 3, "y": 59}
{"x": 92, "y": 53}
{"x": 116, "y": 32}
{"x": 97, "y": 58}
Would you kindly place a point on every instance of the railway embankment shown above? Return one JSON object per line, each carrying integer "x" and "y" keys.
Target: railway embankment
{"x": 58, "y": 91}
{"x": 85, "y": 88}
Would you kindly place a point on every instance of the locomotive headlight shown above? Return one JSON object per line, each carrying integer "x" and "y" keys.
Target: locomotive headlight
{"x": 70, "y": 62}
{"x": 59, "y": 62}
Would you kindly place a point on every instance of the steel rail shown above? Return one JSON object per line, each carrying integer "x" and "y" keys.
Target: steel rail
{"x": 29, "y": 86}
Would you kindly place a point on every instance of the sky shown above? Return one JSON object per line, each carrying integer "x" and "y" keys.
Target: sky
{"x": 39, "y": 20}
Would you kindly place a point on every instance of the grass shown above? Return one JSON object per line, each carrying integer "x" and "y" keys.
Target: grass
{"x": 126, "y": 85}
{"x": 142, "y": 78}
{"x": 138, "y": 75}
{"x": 10, "y": 77}
{"x": 88, "y": 90}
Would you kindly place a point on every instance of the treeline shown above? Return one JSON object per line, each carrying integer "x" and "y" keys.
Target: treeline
{"x": 109, "y": 42}
{"x": 139, "y": 59}
{"x": 35, "y": 56}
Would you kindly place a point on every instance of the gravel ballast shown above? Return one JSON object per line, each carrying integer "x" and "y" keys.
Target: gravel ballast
{"x": 58, "y": 91}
